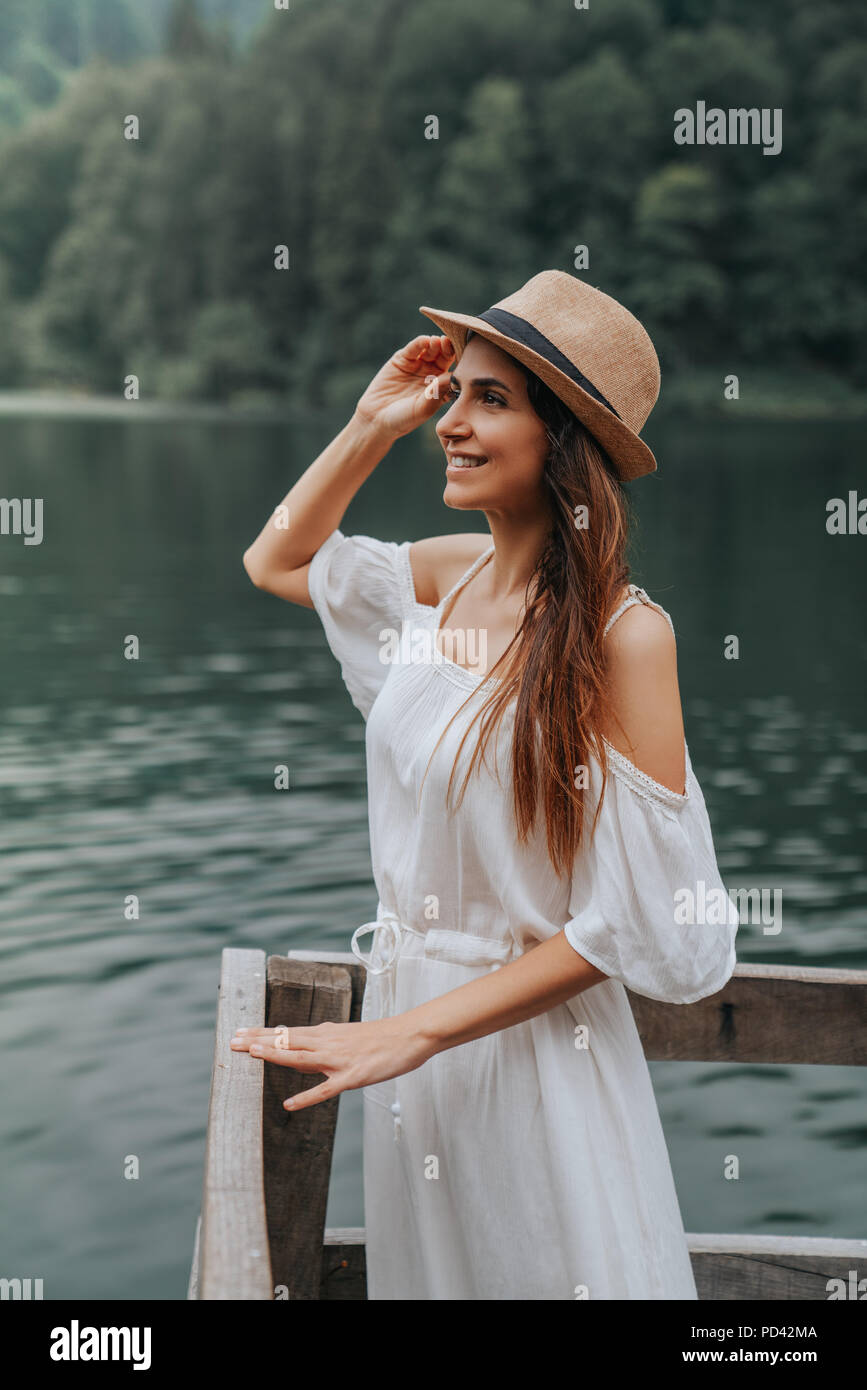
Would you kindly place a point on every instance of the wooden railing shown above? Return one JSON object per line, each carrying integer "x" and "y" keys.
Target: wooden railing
{"x": 262, "y": 1229}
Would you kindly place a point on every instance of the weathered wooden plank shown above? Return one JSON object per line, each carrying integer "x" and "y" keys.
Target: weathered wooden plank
{"x": 327, "y": 957}
{"x": 297, "y": 1147}
{"x": 766, "y": 1013}
{"x": 357, "y": 973}
{"x": 344, "y": 1235}
{"x": 233, "y": 1247}
{"x": 761, "y": 1268}
{"x": 773, "y": 1267}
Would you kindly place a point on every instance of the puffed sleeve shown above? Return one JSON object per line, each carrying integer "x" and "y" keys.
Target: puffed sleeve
{"x": 648, "y": 906}
{"x": 358, "y": 587}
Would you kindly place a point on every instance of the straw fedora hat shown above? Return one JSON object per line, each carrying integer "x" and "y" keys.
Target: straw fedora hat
{"x": 591, "y": 351}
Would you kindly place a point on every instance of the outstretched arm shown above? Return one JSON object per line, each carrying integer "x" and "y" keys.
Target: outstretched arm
{"x": 361, "y": 1054}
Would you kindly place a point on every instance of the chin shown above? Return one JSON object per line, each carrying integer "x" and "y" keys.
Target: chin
{"x": 460, "y": 503}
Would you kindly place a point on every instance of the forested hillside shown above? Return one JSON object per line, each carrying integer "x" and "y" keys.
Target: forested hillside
{"x": 307, "y": 128}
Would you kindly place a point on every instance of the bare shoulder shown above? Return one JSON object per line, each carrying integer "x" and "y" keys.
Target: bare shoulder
{"x": 647, "y": 723}
{"x": 638, "y": 630}
{"x": 438, "y": 562}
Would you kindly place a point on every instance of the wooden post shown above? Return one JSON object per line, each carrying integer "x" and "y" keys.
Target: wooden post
{"x": 297, "y": 1148}
{"x": 232, "y": 1250}
{"x": 344, "y": 1269}
{"x": 351, "y": 963}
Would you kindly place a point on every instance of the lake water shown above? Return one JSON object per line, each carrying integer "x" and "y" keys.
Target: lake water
{"x": 155, "y": 777}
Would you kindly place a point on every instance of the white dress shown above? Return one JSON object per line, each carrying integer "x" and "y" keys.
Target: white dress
{"x": 531, "y": 1163}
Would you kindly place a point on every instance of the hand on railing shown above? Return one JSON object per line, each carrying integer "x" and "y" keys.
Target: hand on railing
{"x": 350, "y": 1055}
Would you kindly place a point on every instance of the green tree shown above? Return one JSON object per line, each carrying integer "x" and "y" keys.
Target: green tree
{"x": 186, "y": 35}
{"x": 673, "y": 282}
{"x": 88, "y": 294}
{"x": 37, "y": 73}
{"x": 481, "y": 215}
{"x": 595, "y": 123}
{"x": 37, "y": 175}
{"x": 59, "y": 27}
{"x": 14, "y": 106}
{"x": 227, "y": 355}
{"x": 15, "y": 25}
{"x": 114, "y": 29}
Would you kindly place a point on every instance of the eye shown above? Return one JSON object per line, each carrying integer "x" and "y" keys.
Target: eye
{"x": 452, "y": 393}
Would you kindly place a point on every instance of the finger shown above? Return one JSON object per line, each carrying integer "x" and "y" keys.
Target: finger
{"x": 282, "y": 1036}
{"x": 314, "y": 1096}
{"x": 414, "y": 347}
{"x": 417, "y": 353}
{"x": 445, "y": 354}
{"x": 285, "y": 1057}
{"x": 427, "y": 354}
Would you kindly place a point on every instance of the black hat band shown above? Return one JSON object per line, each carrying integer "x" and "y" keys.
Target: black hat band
{"x": 523, "y": 332}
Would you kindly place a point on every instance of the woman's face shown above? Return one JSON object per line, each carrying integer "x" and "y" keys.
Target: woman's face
{"x": 490, "y": 417}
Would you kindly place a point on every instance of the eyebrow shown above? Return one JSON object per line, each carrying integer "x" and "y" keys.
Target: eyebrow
{"x": 484, "y": 381}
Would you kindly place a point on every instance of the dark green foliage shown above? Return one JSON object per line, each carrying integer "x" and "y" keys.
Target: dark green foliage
{"x": 306, "y": 128}
{"x": 186, "y": 35}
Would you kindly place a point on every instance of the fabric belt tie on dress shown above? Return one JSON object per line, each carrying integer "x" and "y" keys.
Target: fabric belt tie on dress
{"x": 455, "y": 946}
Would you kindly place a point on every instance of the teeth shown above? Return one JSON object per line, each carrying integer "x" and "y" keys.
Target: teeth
{"x": 461, "y": 461}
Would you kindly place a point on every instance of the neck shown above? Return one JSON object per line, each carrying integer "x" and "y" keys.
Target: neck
{"x": 518, "y": 543}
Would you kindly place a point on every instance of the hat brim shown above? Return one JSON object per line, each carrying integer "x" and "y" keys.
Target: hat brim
{"x": 629, "y": 454}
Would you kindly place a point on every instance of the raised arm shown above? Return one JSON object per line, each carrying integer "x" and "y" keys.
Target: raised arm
{"x": 399, "y": 398}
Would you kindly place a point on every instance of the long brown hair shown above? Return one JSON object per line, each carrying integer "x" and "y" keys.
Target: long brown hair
{"x": 553, "y": 667}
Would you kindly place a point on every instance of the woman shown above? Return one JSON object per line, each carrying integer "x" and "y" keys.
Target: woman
{"x": 512, "y": 1144}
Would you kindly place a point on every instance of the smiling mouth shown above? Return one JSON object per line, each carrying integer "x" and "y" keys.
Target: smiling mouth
{"x": 461, "y": 463}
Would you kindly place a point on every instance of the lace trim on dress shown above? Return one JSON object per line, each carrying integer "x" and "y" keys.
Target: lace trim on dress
{"x": 466, "y": 576}
{"x": 407, "y": 583}
{"x": 637, "y": 595}
{"x": 458, "y": 675}
{"x": 642, "y": 782}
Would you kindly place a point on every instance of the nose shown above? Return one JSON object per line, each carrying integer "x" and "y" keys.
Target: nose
{"x": 450, "y": 426}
